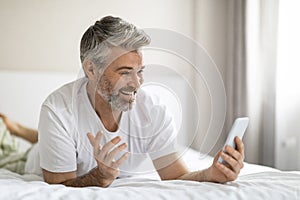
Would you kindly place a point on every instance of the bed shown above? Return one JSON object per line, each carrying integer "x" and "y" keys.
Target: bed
{"x": 254, "y": 182}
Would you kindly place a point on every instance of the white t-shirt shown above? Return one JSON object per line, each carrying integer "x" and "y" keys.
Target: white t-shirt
{"x": 67, "y": 116}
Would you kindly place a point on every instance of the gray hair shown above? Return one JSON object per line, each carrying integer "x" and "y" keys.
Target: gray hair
{"x": 98, "y": 40}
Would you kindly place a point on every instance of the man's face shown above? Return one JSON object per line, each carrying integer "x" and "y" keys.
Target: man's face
{"x": 121, "y": 80}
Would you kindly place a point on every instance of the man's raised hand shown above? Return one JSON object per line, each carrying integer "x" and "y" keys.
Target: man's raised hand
{"x": 108, "y": 167}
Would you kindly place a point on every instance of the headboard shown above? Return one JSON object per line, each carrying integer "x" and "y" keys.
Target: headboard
{"x": 23, "y": 92}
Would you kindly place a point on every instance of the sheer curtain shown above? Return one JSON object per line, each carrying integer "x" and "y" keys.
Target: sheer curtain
{"x": 236, "y": 70}
{"x": 273, "y": 69}
{"x": 287, "y": 140}
{"x": 261, "y": 30}
{"x": 251, "y": 74}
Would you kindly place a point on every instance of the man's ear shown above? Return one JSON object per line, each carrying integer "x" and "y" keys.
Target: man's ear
{"x": 89, "y": 69}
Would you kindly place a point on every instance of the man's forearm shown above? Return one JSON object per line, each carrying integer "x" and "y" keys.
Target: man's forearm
{"x": 201, "y": 176}
{"x": 90, "y": 179}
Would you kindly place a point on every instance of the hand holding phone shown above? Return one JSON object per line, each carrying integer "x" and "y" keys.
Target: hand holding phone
{"x": 238, "y": 129}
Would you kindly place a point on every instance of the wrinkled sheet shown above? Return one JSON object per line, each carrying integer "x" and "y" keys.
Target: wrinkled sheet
{"x": 254, "y": 182}
{"x": 262, "y": 185}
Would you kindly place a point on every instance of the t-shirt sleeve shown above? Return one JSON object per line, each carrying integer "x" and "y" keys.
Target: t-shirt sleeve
{"x": 57, "y": 148}
{"x": 164, "y": 133}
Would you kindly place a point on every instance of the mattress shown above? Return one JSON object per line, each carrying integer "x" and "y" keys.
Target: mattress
{"x": 254, "y": 182}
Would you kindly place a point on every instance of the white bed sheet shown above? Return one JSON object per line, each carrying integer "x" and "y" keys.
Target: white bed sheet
{"x": 255, "y": 182}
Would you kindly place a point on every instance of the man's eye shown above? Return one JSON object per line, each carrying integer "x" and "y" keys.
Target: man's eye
{"x": 124, "y": 73}
{"x": 141, "y": 71}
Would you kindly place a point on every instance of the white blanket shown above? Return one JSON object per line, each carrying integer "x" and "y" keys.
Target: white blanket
{"x": 255, "y": 182}
{"x": 263, "y": 185}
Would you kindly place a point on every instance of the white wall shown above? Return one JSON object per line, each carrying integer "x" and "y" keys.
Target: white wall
{"x": 45, "y": 35}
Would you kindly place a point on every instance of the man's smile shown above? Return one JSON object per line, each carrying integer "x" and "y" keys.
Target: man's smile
{"x": 127, "y": 92}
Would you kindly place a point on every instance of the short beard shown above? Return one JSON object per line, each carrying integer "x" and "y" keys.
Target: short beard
{"x": 106, "y": 92}
{"x": 117, "y": 103}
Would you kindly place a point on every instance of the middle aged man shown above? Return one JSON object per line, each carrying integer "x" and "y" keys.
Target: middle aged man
{"x": 124, "y": 124}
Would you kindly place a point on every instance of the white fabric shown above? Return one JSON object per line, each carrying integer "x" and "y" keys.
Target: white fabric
{"x": 256, "y": 182}
{"x": 32, "y": 165}
{"x": 67, "y": 116}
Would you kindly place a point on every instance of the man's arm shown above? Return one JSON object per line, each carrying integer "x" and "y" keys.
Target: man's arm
{"x": 103, "y": 175}
{"x": 92, "y": 178}
{"x": 217, "y": 172}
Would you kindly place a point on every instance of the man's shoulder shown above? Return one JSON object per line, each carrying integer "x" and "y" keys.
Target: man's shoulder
{"x": 65, "y": 95}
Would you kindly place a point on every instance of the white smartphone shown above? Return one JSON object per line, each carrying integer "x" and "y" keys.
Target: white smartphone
{"x": 238, "y": 129}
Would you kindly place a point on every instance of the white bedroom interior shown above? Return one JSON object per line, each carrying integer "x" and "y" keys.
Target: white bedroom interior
{"x": 253, "y": 44}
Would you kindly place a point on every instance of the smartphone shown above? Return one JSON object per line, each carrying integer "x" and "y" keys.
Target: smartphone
{"x": 238, "y": 129}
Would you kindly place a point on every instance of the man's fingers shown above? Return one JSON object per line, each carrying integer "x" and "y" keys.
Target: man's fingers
{"x": 237, "y": 159}
{"x": 117, "y": 163}
{"x": 232, "y": 163}
{"x": 105, "y": 155}
{"x": 97, "y": 140}
{"x": 91, "y": 138}
{"x": 114, "y": 152}
{"x": 234, "y": 153}
{"x": 237, "y": 154}
{"x": 217, "y": 156}
{"x": 229, "y": 174}
{"x": 239, "y": 145}
{"x": 108, "y": 146}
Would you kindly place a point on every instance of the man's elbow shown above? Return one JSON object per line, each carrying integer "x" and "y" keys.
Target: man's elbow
{"x": 57, "y": 178}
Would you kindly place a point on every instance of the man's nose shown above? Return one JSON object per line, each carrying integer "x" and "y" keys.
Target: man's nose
{"x": 135, "y": 81}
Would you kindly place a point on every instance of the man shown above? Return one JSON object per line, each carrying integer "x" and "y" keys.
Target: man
{"x": 123, "y": 123}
